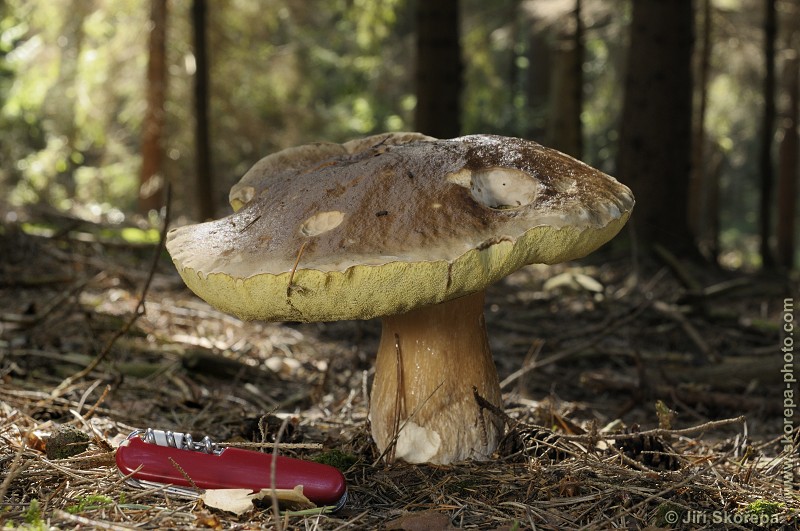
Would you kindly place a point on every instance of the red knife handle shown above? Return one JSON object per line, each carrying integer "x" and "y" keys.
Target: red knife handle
{"x": 233, "y": 468}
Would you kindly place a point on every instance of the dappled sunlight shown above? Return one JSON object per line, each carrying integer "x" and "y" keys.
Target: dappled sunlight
{"x": 276, "y": 159}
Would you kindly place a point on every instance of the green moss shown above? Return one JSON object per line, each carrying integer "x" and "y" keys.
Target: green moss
{"x": 92, "y": 501}
{"x": 764, "y": 507}
{"x": 337, "y": 459}
{"x": 668, "y": 514}
{"x": 33, "y": 514}
{"x": 66, "y": 441}
{"x": 32, "y": 517}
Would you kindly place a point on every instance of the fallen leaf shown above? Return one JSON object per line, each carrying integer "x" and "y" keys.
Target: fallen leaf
{"x": 291, "y": 498}
{"x": 239, "y": 501}
{"x": 424, "y": 521}
{"x": 34, "y": 441}
{"x": 207, "y": 519}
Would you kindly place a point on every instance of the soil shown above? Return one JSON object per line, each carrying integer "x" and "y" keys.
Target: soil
{"x": 638, "y": 394}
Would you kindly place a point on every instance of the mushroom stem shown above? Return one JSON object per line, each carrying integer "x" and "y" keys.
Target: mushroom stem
{"x": 428, "y": 361}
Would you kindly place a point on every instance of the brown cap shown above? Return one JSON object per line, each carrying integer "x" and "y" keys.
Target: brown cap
{"x": 388, "y": 223}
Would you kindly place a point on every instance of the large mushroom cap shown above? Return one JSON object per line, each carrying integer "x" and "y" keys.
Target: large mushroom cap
{"x": 385, "y": 224}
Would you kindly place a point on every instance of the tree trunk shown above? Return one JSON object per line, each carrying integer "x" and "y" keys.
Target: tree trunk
{"x": 439, "y": 69}
{"x": 714, "y": 165}
{"x": 655, "y": 132}
{"x": 151, "y": 178}
{"x": 789, "y": 167}
{"x": 767, "y": 135}
{"x": 564, "y": 125}
{"x": 61, "y": 101}
{"x": 701, "y": 187}
{"x": 204, "y": 185}
{"x": 538, "y": 81}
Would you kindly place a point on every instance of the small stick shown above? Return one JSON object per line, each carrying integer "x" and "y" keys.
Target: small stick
{"x": 250, "y": 224}
{"x": 186, "y": 476}
{"x": 493, "y": 409}
{"x": 89, "y": 523}
{"x": 138, "y": 312}
{"x": 27, "y": 321}
{"x": 86, "y": 394}
{"x": 660, "y": 432}
{"x": 273, "y": 474}
{"x": 566, "y": 353}
{"x": 530, "y": 363}
{"x": 294, "y": 268}
{"x": 411, "y": 416}
{"x": 672, "y": 488}
{"x": 399, "y": 401}
{"x": 288, "y": 446}
{"x": 670, "y": 311}
{"x": 683, "y": 275}
{"x": 16, "y": 467}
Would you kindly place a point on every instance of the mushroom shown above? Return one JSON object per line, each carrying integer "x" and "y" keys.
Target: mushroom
{"x": 410, "y": 229}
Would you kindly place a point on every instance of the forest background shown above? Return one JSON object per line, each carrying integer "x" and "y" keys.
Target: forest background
{"x": 692, "y": 103}
{"x": 102, "y": 101}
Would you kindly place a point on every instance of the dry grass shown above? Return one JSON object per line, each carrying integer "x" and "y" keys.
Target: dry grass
{"x": 583, "y": 365}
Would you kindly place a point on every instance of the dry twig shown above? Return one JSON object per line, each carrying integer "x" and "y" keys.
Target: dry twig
{"x": 137, "y": 313}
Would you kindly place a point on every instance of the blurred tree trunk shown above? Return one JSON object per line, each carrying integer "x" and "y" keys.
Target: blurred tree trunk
{"x": 767, "y": 135}
{"x": 62, "y": 96}
{"x": 439, "y": 68}
{"x": 539, "y": 73}
{"x": 703, "y": 186}
{"x": 151, "y": 178}
{"x": 565, "y": 132}
{"x": 655, "y": 131}
{"x": 204, "y": 184}
{"x": 714, "y": 164}
{"x": 789, "y": 166}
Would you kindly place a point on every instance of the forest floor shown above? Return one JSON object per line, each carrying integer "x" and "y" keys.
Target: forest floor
{"x": 649, "y": 400}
